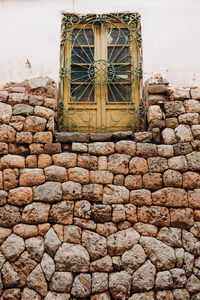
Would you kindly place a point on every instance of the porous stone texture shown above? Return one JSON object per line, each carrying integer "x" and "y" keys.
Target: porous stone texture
{"x": 99, "y": 216}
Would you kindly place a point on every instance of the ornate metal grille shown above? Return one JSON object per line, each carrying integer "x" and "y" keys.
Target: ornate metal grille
{"x": 101, "y": 73}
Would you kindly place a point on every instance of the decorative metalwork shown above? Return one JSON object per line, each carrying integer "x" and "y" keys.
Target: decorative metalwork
{"x": 100, "y": 85}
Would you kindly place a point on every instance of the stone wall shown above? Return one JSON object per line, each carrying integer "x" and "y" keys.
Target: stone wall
{"x": 99, "y": 216}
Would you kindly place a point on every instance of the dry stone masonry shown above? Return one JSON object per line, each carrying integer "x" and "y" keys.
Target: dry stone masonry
{"x": 99, "y": 216}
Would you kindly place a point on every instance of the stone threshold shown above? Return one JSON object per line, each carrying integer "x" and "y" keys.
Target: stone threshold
{"x": 84, "y": 137}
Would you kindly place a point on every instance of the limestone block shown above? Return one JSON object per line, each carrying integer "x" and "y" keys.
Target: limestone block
{"x": 122, "y": 241}
{"x": 161, "y": 255}
{"x": 172, "y": 178}
{"x": 7, "y": 133}
{"x": 113, "y": 194}
{"x": 95, "y": 244}
{"x": 34, "y": 124}
{"x": 101, "y": 148}
{"x": 35, "y": 246}
{"x": 152, "y": 181}
{"x": 73, "y": 258}
{"x": 170, "y": 196}
{"x": 5, "y": 113}
{"x": 81, "y": 287}
{"x": 65, "y": 159}
{"x": 118, "y": 163}
{"x": 35, "y": 213}
{"x": 9, "y": 215}
{"x": 31, "y": 177}
{"x": 178, "y": 163}
{"x": 101, "y": 213}
{"x": 20, "y": 196}
{"x": 138, "y": 165}
{"x": 43, "y": 112}
{"x": 62, "y": 213}
{"x": 56, "y": 173}
{"x": 140, "y": 197}
{"x": 168, "y": 136}
{"x": 101, "y": 177}
{"x": 126, "y": 147}
{"x": 183, "y": 133}
{"x": 87, "y": 161}
{"x": 192, "y": 106}
{"x": 174, "y": 108}
{"x": 143, "y": 278}
{"x": 78, "y": 174}
{"x": 71, "y": 190}
{"x": 182, "y": 218}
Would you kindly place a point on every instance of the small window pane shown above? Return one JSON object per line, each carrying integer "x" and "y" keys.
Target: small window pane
{"x": 117, "y": 36}
{"x": 83, "y": 37}
{"x": 82, "y": 93}
{"x": 119, "y": 93}
{"x": 121, "y": 73}
{"x": 82, "y": 55}
{"x": 119, "y": 55}
{"x": 80, "y": 74}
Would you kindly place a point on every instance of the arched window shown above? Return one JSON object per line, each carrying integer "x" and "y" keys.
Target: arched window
{"x": 101, "y": 72}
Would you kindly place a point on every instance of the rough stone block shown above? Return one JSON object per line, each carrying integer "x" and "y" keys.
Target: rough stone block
{"x": 152, "y": 181}
{"x": 138, "y": 165}
{"x": 20, "y": 196}
{"x": 101, "y": 148}
{"x": 174, "y": 108}
{"x": 168, "y": 136}
{"x": 36, "y": 148}
{"x": 101, "y": 213}
{"x": 193, "y": 160}
{"x": 181, "y": 93}
{"x": 146, "y": 150}
{"x": 5, "y": 113}
{"x": 87, "y": 161}
{"x": 181, "y": 217}
{"x": 194, "y": 198}
{"x": 172, "y": 178}
{"x": 44, "y": 161}
{"x": 189, "y": 118}
{"x": 65, "y": 159}
{"x": 78, "y": 174}
{"x": 43, "y": 112}
{"x": 10, "y": 179}
{"x": 157, "y": 164}
{"x": 113, "y": 194}
{"x": 182, "y": 148}
{"x": 31, "y": 177}
{"x": 102, "y": 177}
{"x": 71, "y": 190}
{"x": 56, "y": 173}
{"x": 126, "y": 147}
{"x": 62, "y": 213}
{"x": 35, "y": 213}
{"x": 171, "y": 122}
{"x": 70, "y": 137}
{"x": 191, "y": 180}
{"x": 183, "y": 133}
{"x": 140, "y": 197}
{"x": 170, "y": 196}
{"x": 133, "y": 182}
{"x": 154, "y": 113}
{"x": 178, "y": 163}
{"x": 7, "y": 134}
{"x": 118, "y": 163}
{"x": 34, "y": 124}
{"x": 12, "y": 161}
{"x": 192, "y": 106}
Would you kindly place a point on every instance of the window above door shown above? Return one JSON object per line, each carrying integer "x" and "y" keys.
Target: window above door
{"x": 101, "y": 72}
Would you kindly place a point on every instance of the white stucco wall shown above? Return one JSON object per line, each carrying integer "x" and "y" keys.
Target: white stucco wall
{"x": 30, "y": 29}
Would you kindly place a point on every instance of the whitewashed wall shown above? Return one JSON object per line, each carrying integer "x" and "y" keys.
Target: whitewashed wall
{"x": 30, "y": 29}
